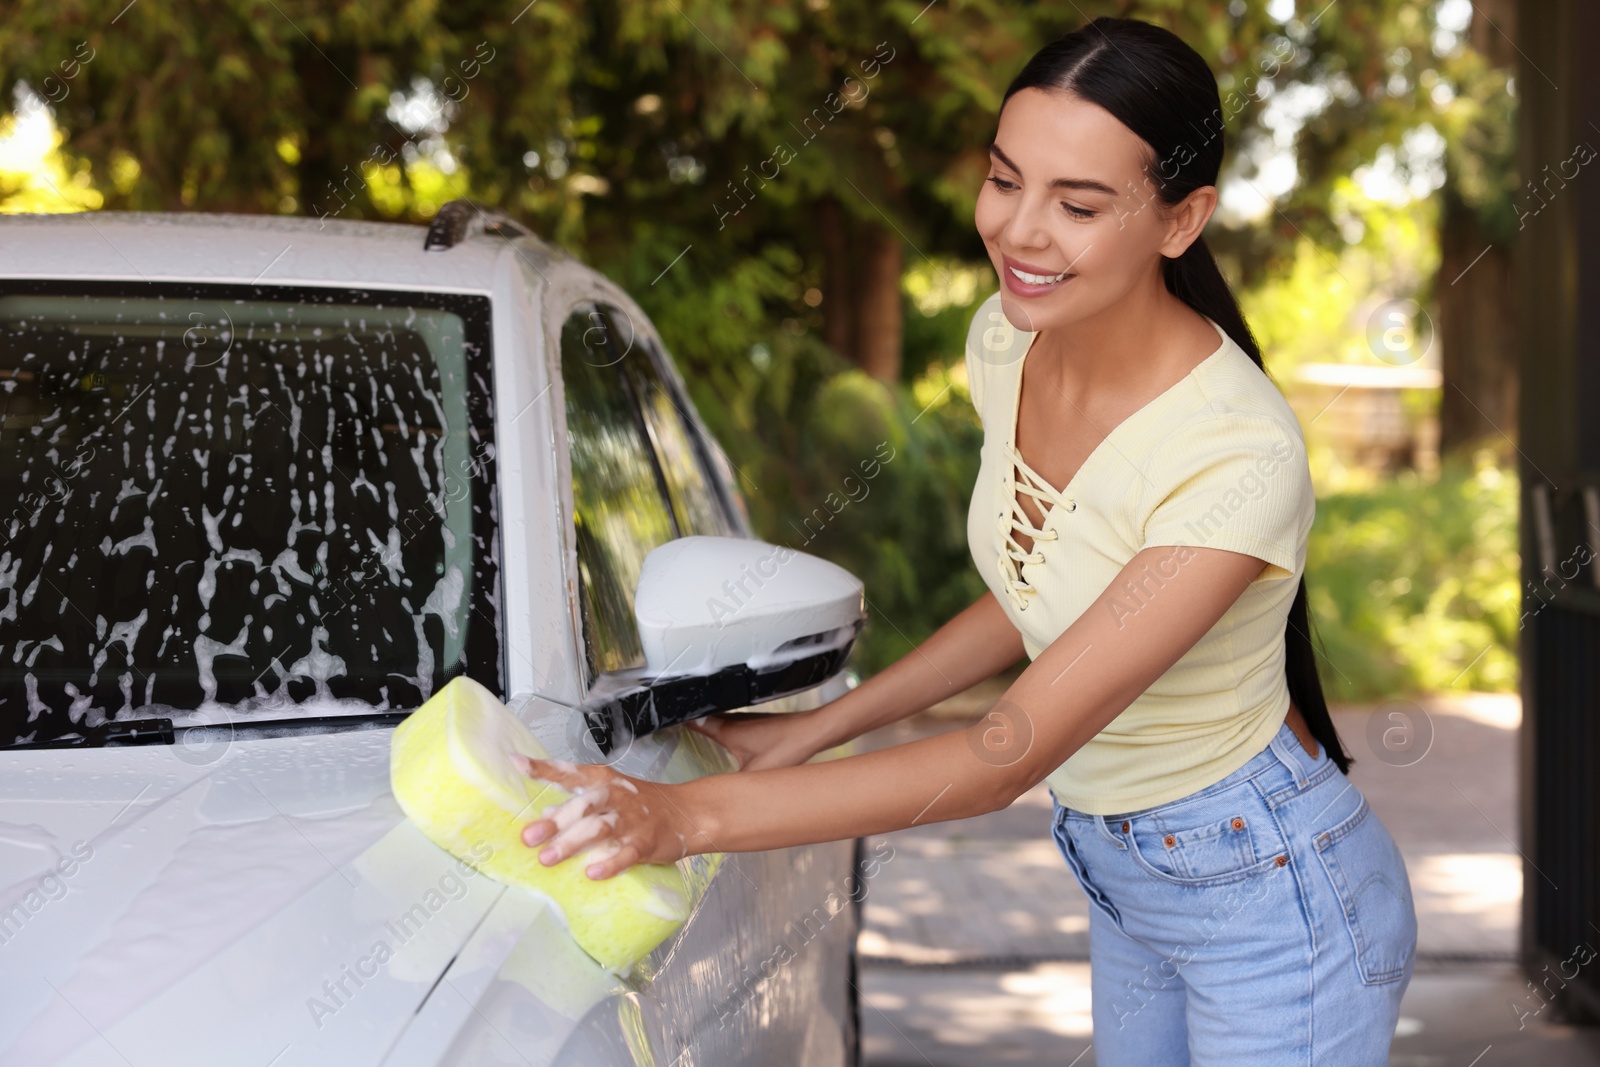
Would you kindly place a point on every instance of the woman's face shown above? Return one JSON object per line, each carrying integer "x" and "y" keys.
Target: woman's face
{"x": 1068, "y": 212}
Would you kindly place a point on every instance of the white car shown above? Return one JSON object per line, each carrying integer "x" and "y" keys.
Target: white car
{"x": 273, "y": 482}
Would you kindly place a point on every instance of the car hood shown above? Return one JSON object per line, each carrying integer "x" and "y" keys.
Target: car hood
{"x": 270, "y": 904}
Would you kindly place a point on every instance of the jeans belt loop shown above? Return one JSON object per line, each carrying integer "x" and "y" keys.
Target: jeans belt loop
{"x": 1106, "y": 832}
{"x": 1279, "y": 749}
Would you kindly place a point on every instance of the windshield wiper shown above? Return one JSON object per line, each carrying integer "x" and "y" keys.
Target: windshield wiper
{"x": 160, "y": 731}
{"x": 126, "y": 732}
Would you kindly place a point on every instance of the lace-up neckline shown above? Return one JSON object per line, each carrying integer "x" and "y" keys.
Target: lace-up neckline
{"x": 1014, "y": 519}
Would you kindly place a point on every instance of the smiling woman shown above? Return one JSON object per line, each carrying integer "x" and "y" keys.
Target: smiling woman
{"x": 1147, "y": 556}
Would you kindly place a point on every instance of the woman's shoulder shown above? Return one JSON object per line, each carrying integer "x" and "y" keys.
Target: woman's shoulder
{"x": 1230, "y": 387}
{"x": 1227, "y": 413}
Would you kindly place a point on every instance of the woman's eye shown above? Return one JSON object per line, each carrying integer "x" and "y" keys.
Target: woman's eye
{"x": 1001, "y": 183}
{"x": 1078, "y": 212}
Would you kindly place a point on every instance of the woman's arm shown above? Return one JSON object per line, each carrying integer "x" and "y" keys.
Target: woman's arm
{"x": 978, "y": 643}
{"x": 1159, "y": 605}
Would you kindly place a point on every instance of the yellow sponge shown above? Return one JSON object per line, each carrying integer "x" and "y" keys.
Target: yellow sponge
{"x": 451, "y": 769}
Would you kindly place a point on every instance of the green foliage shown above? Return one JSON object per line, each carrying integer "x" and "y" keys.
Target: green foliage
{"x": 34, "y": 184}
{"x": 642, "y": 135}
{"x": 1319, "y": 307}
{"x": 875, "y": 478}
{"x": 941, "y": 296}
{"x": 1315, "y": 310}
{"x": 1413, "y": 586}
{"x": 1476, "y": 115}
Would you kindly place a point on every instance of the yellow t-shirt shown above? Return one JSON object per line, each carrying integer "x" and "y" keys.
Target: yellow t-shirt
{"x": 1216, "y": 461}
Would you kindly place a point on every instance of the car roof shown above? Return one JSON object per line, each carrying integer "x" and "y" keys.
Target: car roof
{"x": 269, "y": 249}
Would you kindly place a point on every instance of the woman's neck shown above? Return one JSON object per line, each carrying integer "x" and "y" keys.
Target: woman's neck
{"x": 1123, "y": 347}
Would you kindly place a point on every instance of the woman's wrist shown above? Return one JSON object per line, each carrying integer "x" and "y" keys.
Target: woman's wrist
{"x": 694, "y": 821}
{"x": 835, "y": 723}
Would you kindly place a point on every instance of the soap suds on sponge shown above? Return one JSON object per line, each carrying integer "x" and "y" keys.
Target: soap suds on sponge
{"x": 455, "y": 772}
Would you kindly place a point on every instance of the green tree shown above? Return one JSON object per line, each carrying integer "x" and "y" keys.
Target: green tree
{"x": 762, "y": 175}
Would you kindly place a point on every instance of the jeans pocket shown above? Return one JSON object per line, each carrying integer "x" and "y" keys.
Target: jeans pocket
{"x": 1214, "y": 839}
{"x": 1369, "y": 878}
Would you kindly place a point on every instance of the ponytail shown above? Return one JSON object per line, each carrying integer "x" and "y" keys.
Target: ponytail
{"x": 1195, "y": 279}
{"x": 1162, "y": 90}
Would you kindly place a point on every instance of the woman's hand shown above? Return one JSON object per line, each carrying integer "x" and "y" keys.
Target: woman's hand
{"x": 761, "y": 741}
{"x": 619, "y": 820}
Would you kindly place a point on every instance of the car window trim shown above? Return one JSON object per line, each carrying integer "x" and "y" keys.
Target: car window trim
{"x": 677, "y": 392}
{"x": 597, "y": 303}
{"x": 636, "y": 404}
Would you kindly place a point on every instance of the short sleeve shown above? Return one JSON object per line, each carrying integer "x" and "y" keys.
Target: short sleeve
{"x": 1235, "y": 482}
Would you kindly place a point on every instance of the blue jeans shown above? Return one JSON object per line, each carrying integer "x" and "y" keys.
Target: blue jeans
{"x": 1266, "y": 919}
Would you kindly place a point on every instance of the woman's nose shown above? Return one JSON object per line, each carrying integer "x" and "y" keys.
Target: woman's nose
{"x": 1026, "y": 228}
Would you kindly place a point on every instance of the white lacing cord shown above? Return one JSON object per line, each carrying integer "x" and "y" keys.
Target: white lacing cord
{"x": 1012, "y": 550}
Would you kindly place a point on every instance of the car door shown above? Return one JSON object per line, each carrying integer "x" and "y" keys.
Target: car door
{"x": 760, "y": 973}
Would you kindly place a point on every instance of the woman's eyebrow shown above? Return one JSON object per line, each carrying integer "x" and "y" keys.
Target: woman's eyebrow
{"x": 1088, "y": 185}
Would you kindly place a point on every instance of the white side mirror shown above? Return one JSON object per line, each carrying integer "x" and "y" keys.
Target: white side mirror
{"x": 705, "y": 603}
{"x": 727, "y": 622}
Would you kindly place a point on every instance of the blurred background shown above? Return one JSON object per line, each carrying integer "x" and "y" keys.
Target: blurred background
{"x": 787, "y": 188}
{"x": 808, "y": 171}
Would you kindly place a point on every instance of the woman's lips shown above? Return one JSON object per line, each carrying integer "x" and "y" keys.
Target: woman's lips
{"x": 1020, "y": 287}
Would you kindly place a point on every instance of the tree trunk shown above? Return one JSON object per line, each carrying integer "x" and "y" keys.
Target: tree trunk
{"x": 326, "y": 189}
{"x": 1477, "y": 310}
{"x": 1493, "y": 31}
{"x": 879, "y": 325}
{"x": 838, "y": 284}
{"x": 1477, "y": 333}
{"x": 861, "y": 306}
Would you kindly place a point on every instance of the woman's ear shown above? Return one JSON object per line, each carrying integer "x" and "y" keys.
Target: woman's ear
{"x": 1187, "y": 219}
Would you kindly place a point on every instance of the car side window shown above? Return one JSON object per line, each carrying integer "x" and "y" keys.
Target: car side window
{"x": 695, "y": 501}
{"x": 621, "y": 509}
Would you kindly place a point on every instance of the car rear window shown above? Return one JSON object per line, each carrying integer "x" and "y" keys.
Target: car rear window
{"x": 243, "y": 501}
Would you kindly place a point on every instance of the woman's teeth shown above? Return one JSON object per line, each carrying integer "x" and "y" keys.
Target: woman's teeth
{"x": 1038, "y": 279}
